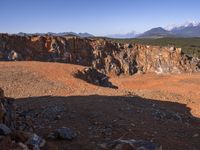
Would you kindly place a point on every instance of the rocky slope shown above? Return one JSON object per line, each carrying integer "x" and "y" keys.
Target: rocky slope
{"x": 108, "y": 57}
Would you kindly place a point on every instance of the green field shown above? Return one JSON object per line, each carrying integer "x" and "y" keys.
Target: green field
{"x": 190, "y": 46}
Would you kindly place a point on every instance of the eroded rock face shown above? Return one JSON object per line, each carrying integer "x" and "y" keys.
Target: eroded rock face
{"x": 109, "y": 58}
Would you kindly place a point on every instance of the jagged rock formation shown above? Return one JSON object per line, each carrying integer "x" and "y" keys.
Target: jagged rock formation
{"x": 108, "y": 57}
{"x": 92, "y": 75}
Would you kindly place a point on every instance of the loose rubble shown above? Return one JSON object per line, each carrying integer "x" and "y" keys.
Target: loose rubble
{"x": 13, "y": 137}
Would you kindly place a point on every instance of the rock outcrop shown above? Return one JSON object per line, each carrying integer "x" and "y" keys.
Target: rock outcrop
{"x": 92, "y": 75}
{"x": 107, "y": 57}
{"x": 10, "y": 136}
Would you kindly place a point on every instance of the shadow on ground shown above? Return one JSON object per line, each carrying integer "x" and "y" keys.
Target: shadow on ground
{"x": 99, "y": 118}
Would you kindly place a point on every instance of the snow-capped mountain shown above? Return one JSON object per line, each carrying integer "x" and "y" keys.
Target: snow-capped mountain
{"x": 181, "y": 26}
{"x": 188, "y": 29}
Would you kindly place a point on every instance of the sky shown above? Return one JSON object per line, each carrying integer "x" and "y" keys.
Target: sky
{"x": 98, "y": 17}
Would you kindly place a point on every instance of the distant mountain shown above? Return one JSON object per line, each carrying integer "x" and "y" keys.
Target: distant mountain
{"x": 123, "y": 36}
{"x": 85, "y": 35}
{"x": 156, "y": 33}
{"x": 59, "y": 34}
{"x": 190, "y": 29}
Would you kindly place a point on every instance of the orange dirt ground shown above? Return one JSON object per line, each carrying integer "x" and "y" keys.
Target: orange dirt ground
{"x": 30, "y": 82}
{"x": 27, "y": 79}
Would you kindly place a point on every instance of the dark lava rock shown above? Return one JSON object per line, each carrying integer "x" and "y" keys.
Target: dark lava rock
{"x": 92, "y": 75}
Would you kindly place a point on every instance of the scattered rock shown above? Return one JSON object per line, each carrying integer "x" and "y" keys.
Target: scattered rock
{"x": 129, "y": 145}
{"x": 14, "y": 138}
{"x": 52, "y": 112}
{"x": 173, "y": 116}
{"x": 35, "y": 141}
{"x": 62, "y": 133}
{"x": 7, "y": 112}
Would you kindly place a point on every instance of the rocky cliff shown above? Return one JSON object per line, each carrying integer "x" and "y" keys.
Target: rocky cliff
{"x": 108, "y": 57}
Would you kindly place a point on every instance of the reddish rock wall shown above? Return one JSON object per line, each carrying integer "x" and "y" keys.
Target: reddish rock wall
{"x": 108, "y": 57}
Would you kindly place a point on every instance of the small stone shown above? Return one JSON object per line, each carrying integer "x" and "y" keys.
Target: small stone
{"x": 4, "y": 130}
{"x": 57, "y": 117}
{"x": 62, "y": 133}
{"x": 36, "y": 141}
{"x": 196, "y": 135}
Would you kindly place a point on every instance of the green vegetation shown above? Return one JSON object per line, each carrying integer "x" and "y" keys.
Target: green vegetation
{"x": 190, "y": 46}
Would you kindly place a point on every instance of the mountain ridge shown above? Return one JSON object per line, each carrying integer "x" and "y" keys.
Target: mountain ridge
{"x": 85, "y": 34}
{"x": 190, "y": 29}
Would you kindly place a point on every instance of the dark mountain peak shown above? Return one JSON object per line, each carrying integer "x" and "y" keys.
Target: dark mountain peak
{"x": 158, "y": 32}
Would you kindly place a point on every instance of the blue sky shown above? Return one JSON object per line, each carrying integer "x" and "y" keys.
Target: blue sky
{"x": 99, "y": 17}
